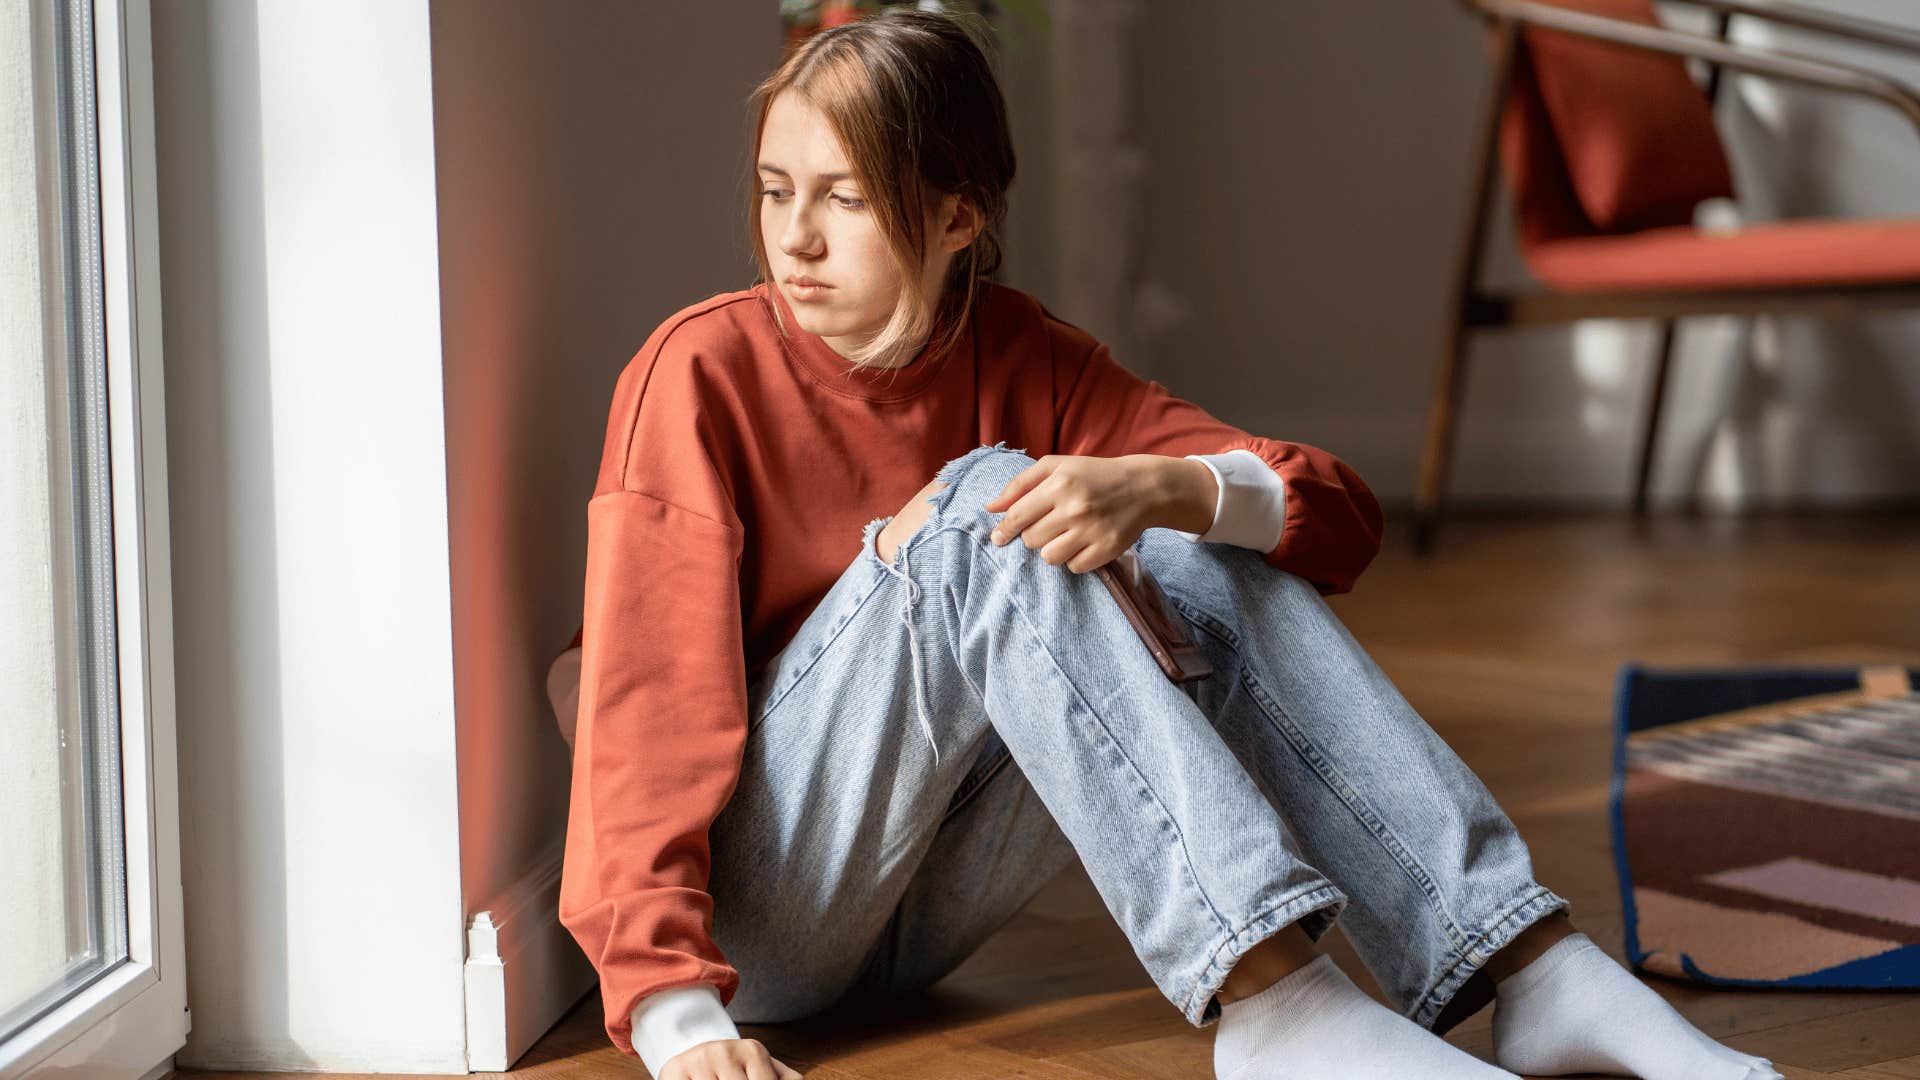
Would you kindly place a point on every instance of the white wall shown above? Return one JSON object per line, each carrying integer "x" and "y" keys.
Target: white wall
{"x": 1308, "y": 166}
{"x": 591, "y": 181}
{"x": 308, "y": 492}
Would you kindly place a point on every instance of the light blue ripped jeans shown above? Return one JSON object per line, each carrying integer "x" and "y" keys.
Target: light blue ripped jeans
{"x": 863, "y": 851}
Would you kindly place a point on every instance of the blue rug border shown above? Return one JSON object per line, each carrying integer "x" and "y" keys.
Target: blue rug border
{"x": 1717, "y": 690}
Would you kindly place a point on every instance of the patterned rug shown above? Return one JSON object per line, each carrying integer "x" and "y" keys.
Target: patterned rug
{"x": 1766, "y": 825}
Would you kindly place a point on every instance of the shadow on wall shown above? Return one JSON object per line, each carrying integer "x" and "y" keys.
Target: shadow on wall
{"x": 233, "y": 787}
{"x": 591, "y": 181}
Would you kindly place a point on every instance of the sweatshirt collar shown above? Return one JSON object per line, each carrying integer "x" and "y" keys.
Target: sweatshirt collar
{"x": 811, "y": 352}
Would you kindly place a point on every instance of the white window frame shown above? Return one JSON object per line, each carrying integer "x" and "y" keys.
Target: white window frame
{"x": 129, "y": 1022}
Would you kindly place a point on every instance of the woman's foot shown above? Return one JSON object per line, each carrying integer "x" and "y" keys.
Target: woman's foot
{"x": 1574, "y": 1010}
{"x": 1315, "y": 1024}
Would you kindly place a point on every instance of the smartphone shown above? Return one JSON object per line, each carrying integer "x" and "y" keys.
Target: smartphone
{"x": 1164, "y": 632}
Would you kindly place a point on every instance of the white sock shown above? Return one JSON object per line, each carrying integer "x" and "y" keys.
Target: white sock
{"x": 1574, "y": 1010}
{"x": 1315, "y": 1024}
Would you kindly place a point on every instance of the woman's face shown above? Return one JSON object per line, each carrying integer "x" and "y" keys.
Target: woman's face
{"x": 816, "y": 225}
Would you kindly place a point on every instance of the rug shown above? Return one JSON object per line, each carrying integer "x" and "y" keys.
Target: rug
{"x": 1766, "y": 825}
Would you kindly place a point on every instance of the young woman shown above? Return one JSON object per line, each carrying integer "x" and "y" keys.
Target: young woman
{"x": 806, "y": 769}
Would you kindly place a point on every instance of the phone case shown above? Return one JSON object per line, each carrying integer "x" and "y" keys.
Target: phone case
{"x": 1166, "y": 635}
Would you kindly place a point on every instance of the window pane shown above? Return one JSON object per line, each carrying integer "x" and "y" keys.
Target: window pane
{"x": 62, "y": 855}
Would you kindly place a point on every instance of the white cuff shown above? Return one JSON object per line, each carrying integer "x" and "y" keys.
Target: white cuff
{"x": 667, "y": 1022}
{"x": 1251, "y": 507}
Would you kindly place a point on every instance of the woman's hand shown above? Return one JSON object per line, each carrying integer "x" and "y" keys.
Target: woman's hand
{"x": 726, "y": 1059}
{"x": 1084, "y": 511}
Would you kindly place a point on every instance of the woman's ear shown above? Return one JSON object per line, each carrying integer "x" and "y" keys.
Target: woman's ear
{"x": 960, "y": 222}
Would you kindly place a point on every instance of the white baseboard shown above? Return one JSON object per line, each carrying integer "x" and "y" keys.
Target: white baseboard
{"x": 524, "y": 970}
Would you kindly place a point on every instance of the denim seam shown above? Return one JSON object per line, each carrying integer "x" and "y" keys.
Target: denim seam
{"x": 967, "y": 794}
{"x": 1303, "y": 900}
{"x": 950, "y": 475}
{"x": 833, "y": 634}
{"x": 1197, "y": 614}
{"x": 1532, "y": 906}
{"x": 953, "y": 605}
{"x": 1360, "y": 807}
{"x": 1332, "y": 777}
{"x": 1186, "y": 855}
{"x": 890, "y": 855}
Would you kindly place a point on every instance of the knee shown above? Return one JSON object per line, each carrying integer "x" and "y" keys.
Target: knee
{"x": 960, "y": 488}
{"x": 916, "y": 505}
{"x": 901, "y": 525}
{"x": 969, "y": 481}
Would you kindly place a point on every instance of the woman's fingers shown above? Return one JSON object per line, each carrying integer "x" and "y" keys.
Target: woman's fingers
{"x": 727, "y": 1059}
{"x": 1021, "y": 484}
{"x": 760, "y": 1065}
{"x": 1063, "y": 548}
{"x": 1092, "y": 557}
{"x": 1023, "y": 499}
{"x": 1026, "y": 511}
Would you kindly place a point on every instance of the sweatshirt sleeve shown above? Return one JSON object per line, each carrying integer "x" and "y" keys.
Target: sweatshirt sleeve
{"x": 1330, "y": 522}
{"x": 661, "y": 718}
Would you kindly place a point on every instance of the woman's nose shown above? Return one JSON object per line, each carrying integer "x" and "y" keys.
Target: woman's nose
{"x": 799, "y": 238}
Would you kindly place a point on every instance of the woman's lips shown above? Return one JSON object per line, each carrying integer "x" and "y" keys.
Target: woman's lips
{"x": 808, "y": 291}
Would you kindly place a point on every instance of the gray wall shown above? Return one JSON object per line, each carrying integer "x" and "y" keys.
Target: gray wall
{"x": 592, "y": 181}
{"x": 1308, "y": 170}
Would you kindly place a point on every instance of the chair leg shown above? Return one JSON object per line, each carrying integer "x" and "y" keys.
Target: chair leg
{"x": 1663, "y": 362}
{"x": 1443, "y": 414}
{"x": 1442, "y": 418}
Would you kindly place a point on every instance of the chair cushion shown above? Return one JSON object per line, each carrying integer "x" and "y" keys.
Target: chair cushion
{"x": 1772, "y": 254}
{"x": 1544, "y": 203}
{"x": 1635, "y": 131}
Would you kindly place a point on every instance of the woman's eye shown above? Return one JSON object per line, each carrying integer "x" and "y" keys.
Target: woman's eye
{"x": 850, "y": 202}
{"x": 776, "y": 193}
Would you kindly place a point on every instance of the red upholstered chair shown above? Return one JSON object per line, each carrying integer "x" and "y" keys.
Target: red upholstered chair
{"x": 1609, "y": 146}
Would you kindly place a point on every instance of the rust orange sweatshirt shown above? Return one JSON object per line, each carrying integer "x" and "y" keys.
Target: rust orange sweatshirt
{"x": 738, "y": 471}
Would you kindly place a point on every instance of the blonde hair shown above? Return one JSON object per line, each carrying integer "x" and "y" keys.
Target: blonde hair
{"x": 914, "y": 101}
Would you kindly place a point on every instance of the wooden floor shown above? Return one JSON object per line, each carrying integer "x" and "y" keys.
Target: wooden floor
{"x": 1507, "y": 641}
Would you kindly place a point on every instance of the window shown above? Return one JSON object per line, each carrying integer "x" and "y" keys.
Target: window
{"x": 62, "y": 858}
{"x": 89, "y": 864}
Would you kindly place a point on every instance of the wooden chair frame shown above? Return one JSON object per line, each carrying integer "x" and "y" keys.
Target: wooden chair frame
{"x": 1474, "y": 308}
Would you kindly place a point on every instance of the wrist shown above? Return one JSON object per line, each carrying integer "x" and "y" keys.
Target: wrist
{"x": 669, "y": 1022}
{"x": 1189, "y": 495}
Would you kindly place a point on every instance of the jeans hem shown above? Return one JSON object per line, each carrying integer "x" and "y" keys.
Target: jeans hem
{"x": 1200, "y": 1007}
{"x": 1532, "y": 906}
